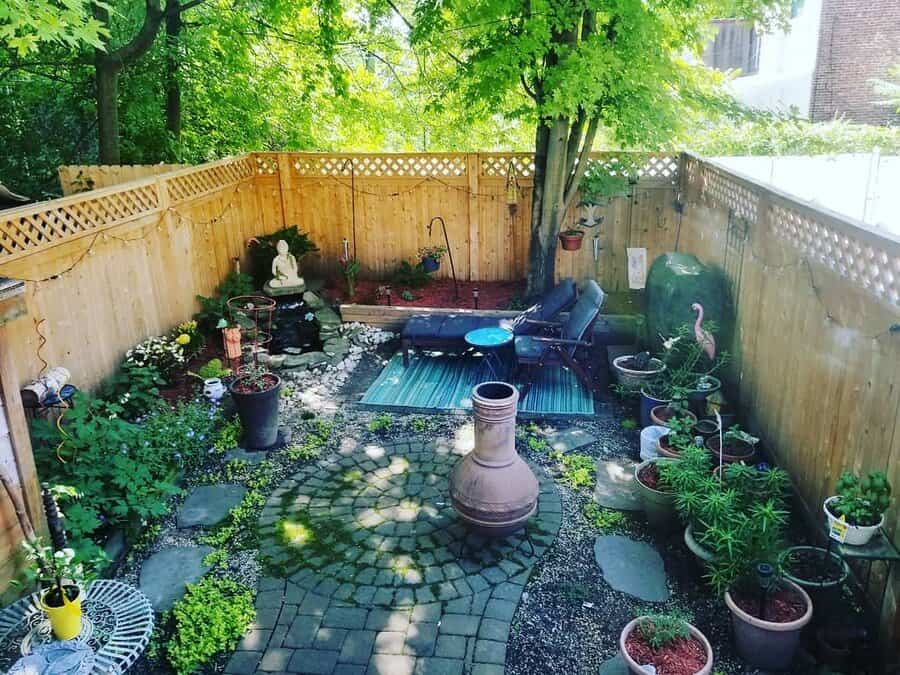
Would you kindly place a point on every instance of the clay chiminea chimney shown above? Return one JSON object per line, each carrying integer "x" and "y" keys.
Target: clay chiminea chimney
{"x": 491, "y": 488}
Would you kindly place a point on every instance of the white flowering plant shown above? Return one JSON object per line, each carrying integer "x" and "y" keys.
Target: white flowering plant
{"x": 160, "y": 352}
{"x": 57, "y": 572}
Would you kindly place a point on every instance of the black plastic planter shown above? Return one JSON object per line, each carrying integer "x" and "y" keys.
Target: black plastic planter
{"x": 258, "y": 411}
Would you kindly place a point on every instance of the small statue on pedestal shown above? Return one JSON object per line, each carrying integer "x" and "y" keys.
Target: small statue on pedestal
{"x": 286, "y": 277}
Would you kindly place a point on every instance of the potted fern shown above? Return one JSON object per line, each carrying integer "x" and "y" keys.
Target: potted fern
{"x": 665, "y": 641}
{"x": 858, "y": 506}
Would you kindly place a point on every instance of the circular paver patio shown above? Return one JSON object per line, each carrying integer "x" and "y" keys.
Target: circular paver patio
{"x": 372, "y": 571}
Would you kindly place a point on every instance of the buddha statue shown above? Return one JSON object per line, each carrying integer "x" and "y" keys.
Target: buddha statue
{"x": 285, "y": 272}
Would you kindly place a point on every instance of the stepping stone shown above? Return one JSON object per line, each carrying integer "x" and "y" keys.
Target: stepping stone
{"x": 632, "y": 567}
{"x": 567, "y": 440}
{"x": 166, "y": 575}
{"x": 208, "y": 505}
{"x": 615, "y": 488}
{"x": 252, "y": 457}
{"x": 614, "y": 666}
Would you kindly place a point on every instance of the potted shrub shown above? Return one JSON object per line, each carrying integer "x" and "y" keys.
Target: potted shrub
{"x": 255, "y": 393}
{"x": 430, "y": 257}
{"x": 62, "y": 581}
{"x": 860, "y": 504}
{"x": 666, "y": 642}
{"x": 633, "y": 371}
{"x": 680, "y": 435}
{"x": 689, "y": 369}
{"x": 739, "y": 446}
{"x": 767, "y": 617}
{"x": 571, "y": 239}
{"x": 656, "y": 494}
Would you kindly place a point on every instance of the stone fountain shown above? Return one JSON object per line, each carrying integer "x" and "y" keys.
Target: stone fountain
{"x": 491, "y": 488}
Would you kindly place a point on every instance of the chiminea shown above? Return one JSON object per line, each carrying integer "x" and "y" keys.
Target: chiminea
{"x": 491, "y": 488}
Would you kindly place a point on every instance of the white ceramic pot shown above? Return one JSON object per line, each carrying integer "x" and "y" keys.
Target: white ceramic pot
{"x": 213, "y": 389}
{"x": 857, "y": 535}
{"x": 650, "y": 440}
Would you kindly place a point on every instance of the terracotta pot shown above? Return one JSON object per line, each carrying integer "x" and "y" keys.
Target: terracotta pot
{"x": 571, "y": 241}
{"x": 663, "y": 449}
{"x": 766, "y": 644}
{"x": 738, "y": 451}
{"x": 491, "y": 488}
{"x": 637, "y": 668}
{"x": 661, "y": 415}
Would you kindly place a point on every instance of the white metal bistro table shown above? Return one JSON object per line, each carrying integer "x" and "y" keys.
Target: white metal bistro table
{"x": 116, "y": 625}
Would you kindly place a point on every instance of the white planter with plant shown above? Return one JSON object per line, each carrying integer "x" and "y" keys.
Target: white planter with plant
{"x": 857, "y": 510}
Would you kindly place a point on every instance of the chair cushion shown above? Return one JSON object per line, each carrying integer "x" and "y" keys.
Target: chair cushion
{"x": 528, "y": 349}
{"x": 558, "y": 299}
{"x": 449, "y": 327}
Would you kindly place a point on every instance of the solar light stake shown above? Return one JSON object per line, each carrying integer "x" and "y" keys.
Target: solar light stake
{"x": 475, "y": 296}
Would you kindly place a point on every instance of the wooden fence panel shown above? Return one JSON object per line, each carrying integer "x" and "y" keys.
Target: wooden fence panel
{"x": 817, "y": 367}
{"x": 75, "y": 179}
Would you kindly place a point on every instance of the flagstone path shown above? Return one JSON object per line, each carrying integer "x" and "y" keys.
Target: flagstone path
{"x": 371, "y": 572}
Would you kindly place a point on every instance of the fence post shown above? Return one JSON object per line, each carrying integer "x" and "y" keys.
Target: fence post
{"x": 284, "y": 183}
{"x": 473, "y": 171}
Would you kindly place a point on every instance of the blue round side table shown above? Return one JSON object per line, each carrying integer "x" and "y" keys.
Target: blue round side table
{"x": 489, "y": 341}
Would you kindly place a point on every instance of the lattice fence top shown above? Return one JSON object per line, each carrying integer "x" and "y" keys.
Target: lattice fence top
{"x": 27, "y": 229}
{"x": 868, "y": 259}
{"x": 653, "y": 167}
{"x": 194, "y": 183}
{"x": 381, "y": 166}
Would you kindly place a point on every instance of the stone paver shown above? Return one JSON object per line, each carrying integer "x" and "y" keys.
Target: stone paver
{"x": 159, "y": 580}
{"x": 615, "y": 488}
{"x": 614, "y": 666}
{"x": 208, "y": 505}
{"x": 567, "y": 440}
{"x": 371, "y": 572}
{"x": 632, "y": 567}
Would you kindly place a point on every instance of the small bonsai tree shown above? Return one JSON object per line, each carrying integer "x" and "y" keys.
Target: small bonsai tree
{"x": 862, "y": 501}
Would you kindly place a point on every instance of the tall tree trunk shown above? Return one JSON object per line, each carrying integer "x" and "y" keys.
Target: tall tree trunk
{"x": 548, "y": 207}
{"x": 173, "y": 86}
{"x": 107, "y": 78}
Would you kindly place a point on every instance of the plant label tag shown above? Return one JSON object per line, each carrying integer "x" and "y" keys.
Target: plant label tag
{"x": 838, "y": 530}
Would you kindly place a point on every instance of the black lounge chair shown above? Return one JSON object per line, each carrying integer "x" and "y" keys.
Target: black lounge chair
{"x": 560, "y": 350}
{"x": 447, "y": 332}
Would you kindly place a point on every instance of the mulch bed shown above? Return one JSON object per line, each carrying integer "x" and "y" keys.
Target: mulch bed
{"x": 438, "y": 293}
{"x": 784, "y": 606}
{"x": 682, "y": 656}
{"x": 183, "y": 387}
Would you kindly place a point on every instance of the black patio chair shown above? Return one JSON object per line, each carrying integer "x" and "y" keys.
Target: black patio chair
{"x": 537, "y": 351}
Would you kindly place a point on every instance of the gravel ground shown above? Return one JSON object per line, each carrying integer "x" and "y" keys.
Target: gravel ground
{"x": 569, "y": 619}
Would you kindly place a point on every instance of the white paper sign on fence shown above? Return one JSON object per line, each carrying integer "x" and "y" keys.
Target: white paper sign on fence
{"x": 637, "y": 267}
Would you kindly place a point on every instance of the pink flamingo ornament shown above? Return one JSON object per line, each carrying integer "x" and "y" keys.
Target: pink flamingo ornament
{"x": 704, "y": 338}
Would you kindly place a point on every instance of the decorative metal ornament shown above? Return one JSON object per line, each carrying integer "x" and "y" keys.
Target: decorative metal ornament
{"x": 512, "y": 188}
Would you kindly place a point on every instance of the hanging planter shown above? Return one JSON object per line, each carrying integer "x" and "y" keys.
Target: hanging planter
{"x": 571, "y": 240}
{"x": 430, "y": 257}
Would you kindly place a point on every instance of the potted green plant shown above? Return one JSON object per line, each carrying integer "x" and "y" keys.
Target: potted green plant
{"x": 665, "y": 641}
{"x": 680, "y": 436}
{"x": 689, "y": 370}
{"x": 430, "y": 256}
{"x": 859, "y": 505}
{"x": 735, "y": 445}
{"x": 62, "y": 580}
{"x": 656, "y": 494}
{"x": 633, "y": 371}
{"x": 255, "y": 392}
{"x": 768, "y": 614}
{"x": 571, "y": 239}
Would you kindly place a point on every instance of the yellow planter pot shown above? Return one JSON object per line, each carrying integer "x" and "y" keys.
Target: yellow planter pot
{"x": 65, "y": 620}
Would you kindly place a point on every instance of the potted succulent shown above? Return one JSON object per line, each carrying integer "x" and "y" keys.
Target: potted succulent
{"x": 633, "y": 371}
{"x": 62, "y": 580}
{"x": 859, "y": 505}
{"x": 767, "y": 616}
{"x": 430, "y": 257}
{"x": 658, "y": 641}
{"x": 571, "y": 239}
{"x": 735, "y": 445}
{"x": 255, "y": 392}
{"x": 656, "y": 494}
{"x": 680, "y": 435}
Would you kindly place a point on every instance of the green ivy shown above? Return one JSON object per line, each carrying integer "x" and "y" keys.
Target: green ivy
{"x": 208, "y": 620}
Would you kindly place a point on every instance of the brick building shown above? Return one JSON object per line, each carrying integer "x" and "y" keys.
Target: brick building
{"x": 858, "y": 40}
